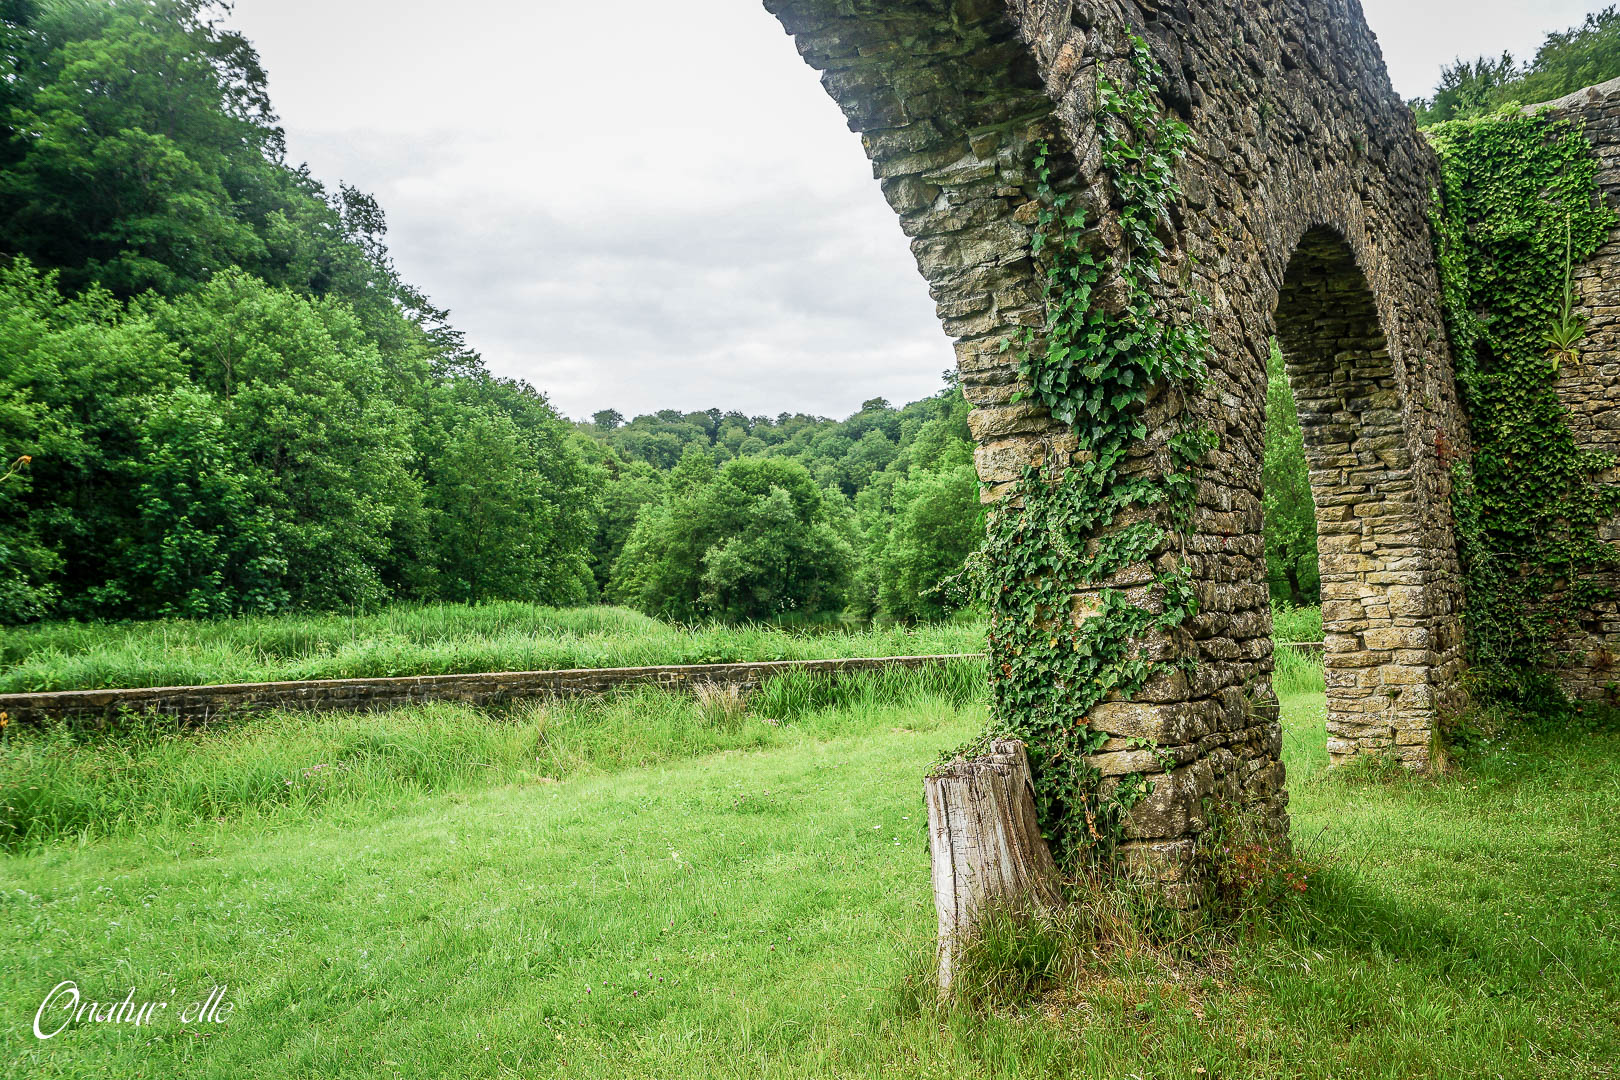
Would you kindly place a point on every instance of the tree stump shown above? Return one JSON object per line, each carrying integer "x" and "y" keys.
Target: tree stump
{"x": 987, "y": 849}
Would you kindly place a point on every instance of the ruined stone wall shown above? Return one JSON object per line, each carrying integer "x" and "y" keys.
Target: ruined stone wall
{"x": 1299, "y": 135}
{"x": 197, "y": 704}
{"x": 1590, "y": 665}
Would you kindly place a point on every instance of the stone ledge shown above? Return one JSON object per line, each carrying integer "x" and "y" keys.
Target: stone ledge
{"x": 484, "y": 688}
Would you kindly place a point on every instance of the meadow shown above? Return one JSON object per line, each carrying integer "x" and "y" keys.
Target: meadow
{"x": 441, "y": 639}
{"x": 435, "y": 639}
{"x": 658, "y": 886}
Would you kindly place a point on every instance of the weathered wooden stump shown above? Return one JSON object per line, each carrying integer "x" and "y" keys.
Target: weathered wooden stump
{"x": 987, "y": 849}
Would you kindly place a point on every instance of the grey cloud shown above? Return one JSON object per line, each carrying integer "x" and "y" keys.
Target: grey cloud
{"x": 785, "y": 298}
{"x": 668, "y": 212}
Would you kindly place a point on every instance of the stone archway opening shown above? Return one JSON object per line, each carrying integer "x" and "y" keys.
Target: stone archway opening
{"x": 1376, "y": 633}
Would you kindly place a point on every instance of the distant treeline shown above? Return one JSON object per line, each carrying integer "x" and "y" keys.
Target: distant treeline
{"x": 217, "y": 395}
{"x": 879, "y": 510}
{"x": 1568, "y": 60}
{"x": 746, "y": 517}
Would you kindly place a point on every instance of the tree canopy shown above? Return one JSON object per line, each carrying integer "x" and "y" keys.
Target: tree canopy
{"x": 1567, "y": 60}
{"x": 720, "y": 514}
{"x": 229, "y": 399}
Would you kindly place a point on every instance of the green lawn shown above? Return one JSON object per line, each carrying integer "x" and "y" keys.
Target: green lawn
{"x": 435, "y": 639}
{"x": 566, "y": 910}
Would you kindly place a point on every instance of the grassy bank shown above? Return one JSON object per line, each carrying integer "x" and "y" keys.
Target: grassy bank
{"x": 450, "y": 638}
{"x": 433, "y": 640}
{"x": 1297, "y": 672}
{"x": 1296, "y": 624}
{"x": 587, "y": 899}
{"x": 148, "y": 775}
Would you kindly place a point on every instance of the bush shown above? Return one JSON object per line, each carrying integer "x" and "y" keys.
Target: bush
{"x": 753, "y": 540}
{"x": 1289, "y": 623}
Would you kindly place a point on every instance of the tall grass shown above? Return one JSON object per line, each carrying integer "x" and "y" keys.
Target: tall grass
{"x": 59, "y": 783}
{"x": 755, "y": 915}
{"x": 1290, "y": 623}
{"x": 446, "y": 639}
{"x": 74, "y": 783}
{"x": 1297, "y": 671}
{"x": 419, "y": 640}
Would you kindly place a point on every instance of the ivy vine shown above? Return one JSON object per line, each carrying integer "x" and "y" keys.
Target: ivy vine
{"x": 1518, "y": 208}
{"x": 1062, "y": 638}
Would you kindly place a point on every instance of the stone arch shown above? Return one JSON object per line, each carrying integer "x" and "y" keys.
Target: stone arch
{"x": 949, "y": 103}
{"x": 1376, "y": 630}
{"x": 1302, "y": 153}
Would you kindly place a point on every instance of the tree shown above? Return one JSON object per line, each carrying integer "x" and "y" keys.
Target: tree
{"x": 204, "y": 549}
{"x": 488, "y": 502}
{"x": 73, "y": 396}
{"x": 625, "y": 489}
{"x": 938, "y": 523}
{"x": 774, "y": 560}
{"x": 1468, "y": 88}
{"x": 1290, "y": 513}
{"x": 753, "y": 539}
{"x": 137, "y": 141}
{"x": 1581, "y": 56}
{"x": 326, "y": 443}
{"x": 231, "y": 399}
{"x": 515, "y": 499}
{"x": 867, "y": 469}
{"x": 1567, "y": 60}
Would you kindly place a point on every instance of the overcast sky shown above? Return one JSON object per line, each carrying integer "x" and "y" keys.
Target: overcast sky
{"x": 647, "y": 204}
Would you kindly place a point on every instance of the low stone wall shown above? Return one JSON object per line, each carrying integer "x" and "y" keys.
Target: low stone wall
{"x": 198, "y": 703}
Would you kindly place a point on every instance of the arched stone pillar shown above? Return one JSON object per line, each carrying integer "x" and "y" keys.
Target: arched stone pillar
{"x": 949, "y": 105}
{"x": 1378, "y": 632}
{"x": 1299, "y": 139}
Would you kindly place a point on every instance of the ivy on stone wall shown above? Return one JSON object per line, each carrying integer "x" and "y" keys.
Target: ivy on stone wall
{"x": 1102, "y": 355}
{"x": 1518, "y": 208}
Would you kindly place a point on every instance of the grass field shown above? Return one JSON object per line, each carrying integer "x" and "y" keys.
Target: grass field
{"x": 657, "y": 887}
{"x": 435, "y": 640}
{"x": 446, "y": 639}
